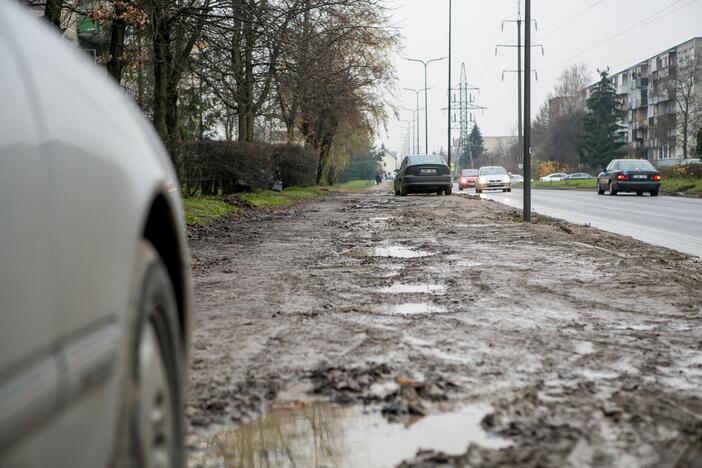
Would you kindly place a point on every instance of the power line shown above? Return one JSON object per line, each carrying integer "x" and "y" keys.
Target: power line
{"x": 644, "y": 22}
{"x": 558, "y": 26}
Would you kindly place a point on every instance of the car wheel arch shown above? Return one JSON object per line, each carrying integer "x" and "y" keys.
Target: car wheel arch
{"x": 161, "y": 230}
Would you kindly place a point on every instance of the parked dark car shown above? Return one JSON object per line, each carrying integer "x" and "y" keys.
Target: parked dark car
{"x": 579, "y": 176}
{"x": 423, "y": 174}
{"x": 467, "y": 179}
{"x": 629, "y": 175}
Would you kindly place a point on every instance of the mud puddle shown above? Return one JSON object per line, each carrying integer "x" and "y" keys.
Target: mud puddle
{"x": 411, "y": 308}
{"x": 322, "y": 434}
{"x": 399, "y": 288}
{"x": 391, "y": 251}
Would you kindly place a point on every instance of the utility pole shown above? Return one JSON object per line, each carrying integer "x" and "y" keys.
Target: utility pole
{"x": 519, "y": 70}
{"x": 527, "y": 112}
{"x": 450, "y": 143}
{"x": 426, "y": 99}
{"x": 523, "y": 115}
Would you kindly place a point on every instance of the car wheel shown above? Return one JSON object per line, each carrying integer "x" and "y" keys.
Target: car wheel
{"x": 460, "y": 189}
{"x": 611, "y": 189}
{"x": 478, "y": 190}
{"x": 403, "y": 192}
{"x": 654, "y": 193}
{"x": 448, "y": 190}
{"x": 600, "y": 191}
{"x": 638, "y": 194}
{"x": 152, "y": 418}
{"x": 397, "y": 192}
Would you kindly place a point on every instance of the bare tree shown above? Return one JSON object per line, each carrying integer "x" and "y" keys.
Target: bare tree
{"x": 686, "y": 84}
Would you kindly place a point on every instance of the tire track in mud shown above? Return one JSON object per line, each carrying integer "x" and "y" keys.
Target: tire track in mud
{"x": 586, "y": 344}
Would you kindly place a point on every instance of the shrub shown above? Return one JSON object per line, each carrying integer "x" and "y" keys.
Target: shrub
{"x": 294, "y": 165}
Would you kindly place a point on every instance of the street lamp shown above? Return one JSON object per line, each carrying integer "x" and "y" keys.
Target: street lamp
{"x": 426, "y": 100}
{"x": 407, "y": 138}
{"x": 417, "y": 91}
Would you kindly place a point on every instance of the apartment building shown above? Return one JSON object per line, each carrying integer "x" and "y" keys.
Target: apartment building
{"x": 652, "y": 126}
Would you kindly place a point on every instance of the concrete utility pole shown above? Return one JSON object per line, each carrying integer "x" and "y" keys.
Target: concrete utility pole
{"x": 519, "y": 70}
{"x": 527, "y": 112}
{"x": 426, "y": 99}
{"x": 450, "y": 143}
{"x": 521, "y": 120}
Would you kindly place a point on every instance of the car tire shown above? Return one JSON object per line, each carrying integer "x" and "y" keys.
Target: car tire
{"x": 600, "y": 191}
{"x": 397, "y": 192}
{"x": 151, "y": 429}
{"x": 478, "y": 190}
{"x": 448, "y": 191}
{"x": 403, "y": 192}
{"x": 612, "y": 192}
{"x": 460, "y": 189}
{"x": 639, "y": 194}
{"x": 654, "y": 193}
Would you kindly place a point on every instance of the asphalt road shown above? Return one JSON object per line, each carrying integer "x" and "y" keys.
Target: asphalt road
{"x": 672, "y": 222}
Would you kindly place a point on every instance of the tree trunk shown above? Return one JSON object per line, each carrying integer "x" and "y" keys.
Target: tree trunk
{"x": 116, "y": 63}
{"x": 160, "y": 80}
{"x": 324, "y": 151}
{"x": 52, "y": 13}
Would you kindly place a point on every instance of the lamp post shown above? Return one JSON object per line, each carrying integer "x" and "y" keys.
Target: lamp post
{"x": 410, "y": 124}
{"x": 416, "y": 92}
{"x": 426, "y": 100}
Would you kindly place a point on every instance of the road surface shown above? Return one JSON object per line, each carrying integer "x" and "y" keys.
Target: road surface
{"x": 672, "y": 222}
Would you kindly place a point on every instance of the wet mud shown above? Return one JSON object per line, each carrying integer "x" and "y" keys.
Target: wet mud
{"x": 367, "y": 311}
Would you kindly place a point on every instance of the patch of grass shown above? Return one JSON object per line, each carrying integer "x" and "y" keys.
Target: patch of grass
{"x": 204, "y": 210}
{"x": 356, "y": 185}
{"x": 271, "y": 199}
{"x": 682, "y": 185}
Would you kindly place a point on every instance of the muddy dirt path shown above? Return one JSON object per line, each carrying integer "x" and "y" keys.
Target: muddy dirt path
{"x": 586, "y": 347}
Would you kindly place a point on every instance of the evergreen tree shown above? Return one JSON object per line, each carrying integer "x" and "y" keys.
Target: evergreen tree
{"x": 601, "y": 122}
{"x": 476, "y": 141}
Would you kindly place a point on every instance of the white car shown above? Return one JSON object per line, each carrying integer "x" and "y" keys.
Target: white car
{"x": 95, "y": 295}
{"x": 493, "y": 178}
{"x": 555, "y": 177}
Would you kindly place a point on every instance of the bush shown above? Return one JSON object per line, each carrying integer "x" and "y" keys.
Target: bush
{"x": 225, "y": 167}
{"x": 691, "y": 171}
{"x": 294, "y": 165}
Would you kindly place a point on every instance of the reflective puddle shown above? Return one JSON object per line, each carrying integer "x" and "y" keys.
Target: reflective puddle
{"x": 399, "y": 288}
{"x": 394, "y": 251}
{"x": 324, "y": 435}
{"x": 412, "y": 308}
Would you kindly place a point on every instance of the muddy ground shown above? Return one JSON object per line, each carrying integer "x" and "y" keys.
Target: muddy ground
{"x": 586, "y": 345}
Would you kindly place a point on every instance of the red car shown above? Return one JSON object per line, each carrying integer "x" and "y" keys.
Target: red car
{"x": 467, "y": 179}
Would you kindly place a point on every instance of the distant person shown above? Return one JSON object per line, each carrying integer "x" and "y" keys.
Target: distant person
{"x": 378, "y": 179}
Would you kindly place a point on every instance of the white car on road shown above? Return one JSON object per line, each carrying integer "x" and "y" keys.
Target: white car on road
{"x": 94, "y": 279}
{"x": 555, "y": 177}
{"x": 493, "y": 178}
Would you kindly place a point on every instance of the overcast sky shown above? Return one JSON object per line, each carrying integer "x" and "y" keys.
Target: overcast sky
{"x": 598, "y": 33}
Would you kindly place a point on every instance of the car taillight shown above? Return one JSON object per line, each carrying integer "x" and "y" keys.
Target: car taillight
{"x": 657, "y": 178}
{"x": 622, "y": 177}
{"x": 464, "y": 180}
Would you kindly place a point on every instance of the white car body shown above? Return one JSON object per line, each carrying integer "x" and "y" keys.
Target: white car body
{"x": 493, "y": 178}
{"x": 554, "y": 177}
{"x": 83, "y": 180}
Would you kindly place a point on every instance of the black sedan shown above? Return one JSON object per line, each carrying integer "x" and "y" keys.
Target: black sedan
{"x": 629, "y": 175}
{"x": 423, "y": 174}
